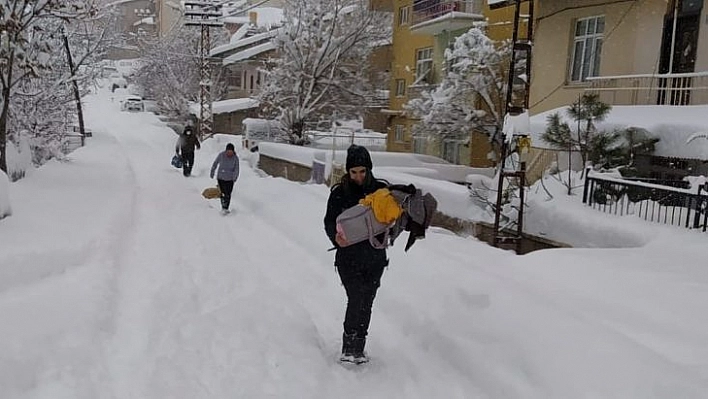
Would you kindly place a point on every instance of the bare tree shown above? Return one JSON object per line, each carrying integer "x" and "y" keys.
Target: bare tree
{"x": 169, "y": 72}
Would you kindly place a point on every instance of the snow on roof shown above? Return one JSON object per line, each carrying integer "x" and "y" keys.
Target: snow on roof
{"x": 119, "y": 2}
{"x": 266, "y": 16}
{"x": 244, "y": 42}
{"x": 673, "y": 125}
{"x": 227, "y": 106}
{"x": 250, "y": 52}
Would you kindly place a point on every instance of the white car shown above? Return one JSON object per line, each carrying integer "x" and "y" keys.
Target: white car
{"x": 133, "y": 104}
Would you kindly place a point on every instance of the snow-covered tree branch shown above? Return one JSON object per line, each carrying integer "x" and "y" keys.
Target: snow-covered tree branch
{"x": 321, "y": 69}
{"x": 471, "y": 94}
{"x": 29, "y": 38}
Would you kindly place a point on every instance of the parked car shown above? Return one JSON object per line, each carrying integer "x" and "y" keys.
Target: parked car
{"x": 133, "y": 104}
{"x": 117, "y": 81}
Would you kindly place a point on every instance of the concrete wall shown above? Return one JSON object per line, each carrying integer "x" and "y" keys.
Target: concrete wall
{"x": 702, "y": 55}
{"x": 281, "y": 168}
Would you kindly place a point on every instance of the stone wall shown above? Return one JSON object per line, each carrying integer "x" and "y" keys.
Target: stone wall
{"x": 281, "y": 168}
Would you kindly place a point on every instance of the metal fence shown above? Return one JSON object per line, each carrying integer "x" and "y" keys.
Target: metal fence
{"x": 651, "y": 89}
{"x": 652, "y": 202}
{"x": 426, "y": 10}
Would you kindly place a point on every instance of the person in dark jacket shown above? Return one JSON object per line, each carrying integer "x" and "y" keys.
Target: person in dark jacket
{"x": 227, "y": 163}
{"x": 360, "y": 266}
{"x": 185, "y": 144}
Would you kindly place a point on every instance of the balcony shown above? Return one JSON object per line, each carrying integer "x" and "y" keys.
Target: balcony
{"x": 381, "y": 5}
{"x": 652, "y": 89}
{"x": 432, "y": 17}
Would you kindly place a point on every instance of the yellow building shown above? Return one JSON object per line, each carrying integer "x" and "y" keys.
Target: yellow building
{"x": 622, "y": 51}
{"x": 422, "y": 30}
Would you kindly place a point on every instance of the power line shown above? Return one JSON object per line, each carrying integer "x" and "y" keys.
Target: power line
{"x": 605, "y": 37}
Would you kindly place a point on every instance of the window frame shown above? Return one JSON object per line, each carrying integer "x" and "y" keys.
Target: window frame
{"x": 399, "y": 133}
{"x": 419, "y": 145}
{"x": 451, "y": 151}
{"x": 400, "y": 87}
{"x": 404, "y": 15}
{"x": 589, "y": 63}
{"x": 426, "y": 77}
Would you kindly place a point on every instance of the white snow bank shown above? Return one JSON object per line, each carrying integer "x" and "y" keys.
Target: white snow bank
{"x": 144, "y": 291}
{"x": 673, "y": 125}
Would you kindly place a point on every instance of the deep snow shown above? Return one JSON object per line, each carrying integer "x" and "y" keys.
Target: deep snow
{"x": 117, "y": 280}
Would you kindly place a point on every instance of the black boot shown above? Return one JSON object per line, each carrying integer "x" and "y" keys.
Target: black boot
{"x": 347, "y": 344}
{"x": 358, "y": 344}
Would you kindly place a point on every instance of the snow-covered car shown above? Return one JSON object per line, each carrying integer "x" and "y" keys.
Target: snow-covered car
{"x": 133, "y": 104}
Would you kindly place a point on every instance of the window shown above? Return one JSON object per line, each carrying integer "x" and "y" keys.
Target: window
{"x": 419, "y": 144}
{"x": 404, "y": 15}
{"x": 451, "y": 151}
{"x": 234, "y": 79}
{"x": 587, "y": 47}
{"x": 400, "y": 87}
{"x": 424, "y": 66}
{"x": 399, "y": 133}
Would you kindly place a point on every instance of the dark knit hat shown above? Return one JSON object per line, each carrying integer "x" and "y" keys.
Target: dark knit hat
{"x": 230, "y": 147}
{"x": 358, "y": 156}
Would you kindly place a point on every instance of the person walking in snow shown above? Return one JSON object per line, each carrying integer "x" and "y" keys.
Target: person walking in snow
{"x": 360, "y": 266}
{"x": 227, "y": 164}
{"x": 185, "y": 146}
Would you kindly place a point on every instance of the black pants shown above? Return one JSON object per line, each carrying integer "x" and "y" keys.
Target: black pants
{"x": 187, "y": 163}
{"x": 361, "y": 283}
{"x": 226, "y": 187}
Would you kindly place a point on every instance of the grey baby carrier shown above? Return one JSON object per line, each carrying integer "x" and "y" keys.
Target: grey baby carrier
{"x": 358, "y": 224}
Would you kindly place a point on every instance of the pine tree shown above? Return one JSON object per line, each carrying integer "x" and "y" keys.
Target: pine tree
{"x": 603, "y": 149}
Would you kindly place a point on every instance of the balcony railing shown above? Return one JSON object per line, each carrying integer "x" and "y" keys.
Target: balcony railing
{"x": 652, "y": 89}
{"x": 428, "y": 10}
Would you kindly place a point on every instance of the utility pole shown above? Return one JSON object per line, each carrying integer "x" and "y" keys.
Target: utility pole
{"x": 205, "y": 14}
{"x": 517, "y": 103}
{"x": 75, "y": 87}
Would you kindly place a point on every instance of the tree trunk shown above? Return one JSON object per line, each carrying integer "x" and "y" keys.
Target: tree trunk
{"x": 297, "y": 132}
{"x": 3, "y": 130}
{"x": 77, "y": 95}
{"x": 5, "y": 112}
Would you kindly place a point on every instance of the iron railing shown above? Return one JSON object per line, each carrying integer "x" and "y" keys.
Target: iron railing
{"x": 651, "y": 202}
{"x": 426, "y": 10}
{"x": 652, "y": 89}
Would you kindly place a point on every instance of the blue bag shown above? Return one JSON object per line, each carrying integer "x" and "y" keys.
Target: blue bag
{"x": 177, "y": 161}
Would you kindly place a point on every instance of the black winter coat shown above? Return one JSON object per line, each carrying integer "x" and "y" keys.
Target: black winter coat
{"x": 362, "y": 253}
{"x": 186, "y": 143}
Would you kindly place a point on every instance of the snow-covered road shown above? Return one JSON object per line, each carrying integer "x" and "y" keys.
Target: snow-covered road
{"x": 118, "y": 280}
